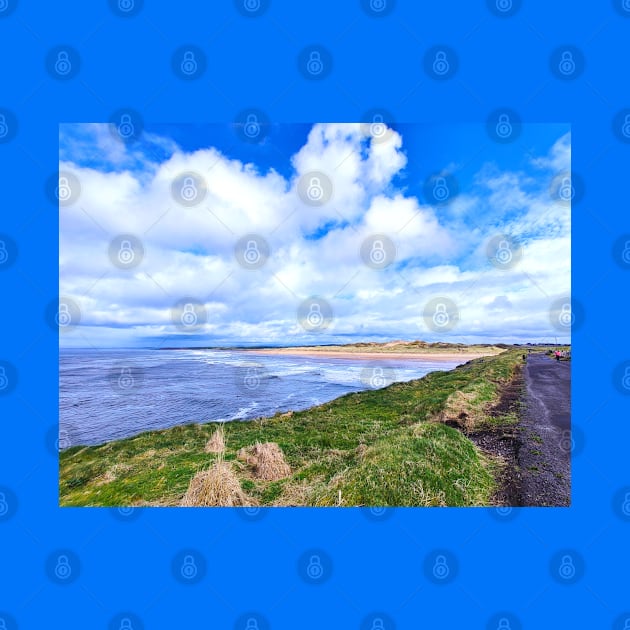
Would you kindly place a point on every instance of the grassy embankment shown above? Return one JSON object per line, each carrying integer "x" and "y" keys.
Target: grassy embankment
{"x": 394, "y": 446}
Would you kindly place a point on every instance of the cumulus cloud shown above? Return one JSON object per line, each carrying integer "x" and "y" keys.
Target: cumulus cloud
{"x": 315, "y": 250}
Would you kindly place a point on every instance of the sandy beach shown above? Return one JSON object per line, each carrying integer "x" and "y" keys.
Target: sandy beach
{"x": 371, "y": 355}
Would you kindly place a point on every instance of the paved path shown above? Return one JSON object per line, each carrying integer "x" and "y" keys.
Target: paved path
{"x": 544, "y": 456}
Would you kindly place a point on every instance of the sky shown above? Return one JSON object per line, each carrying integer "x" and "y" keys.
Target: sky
{"x": 376, "y": 250}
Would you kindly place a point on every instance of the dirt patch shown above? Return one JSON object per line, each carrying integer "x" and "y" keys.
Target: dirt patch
{"x": 501, "y": 441}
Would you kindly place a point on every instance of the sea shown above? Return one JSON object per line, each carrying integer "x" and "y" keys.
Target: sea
{"x": 107, "y": 395}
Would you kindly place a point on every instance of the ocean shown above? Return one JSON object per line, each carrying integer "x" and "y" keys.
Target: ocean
{"x": 112, "y": 394}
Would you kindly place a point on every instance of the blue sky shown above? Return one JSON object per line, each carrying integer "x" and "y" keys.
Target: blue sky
{"x": 378, "y": 189}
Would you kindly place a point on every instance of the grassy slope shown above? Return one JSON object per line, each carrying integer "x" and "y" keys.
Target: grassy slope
{"x": 381, "y": 447}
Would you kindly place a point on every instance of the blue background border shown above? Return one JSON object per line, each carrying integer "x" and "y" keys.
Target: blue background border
{"x": 375, "y": 563}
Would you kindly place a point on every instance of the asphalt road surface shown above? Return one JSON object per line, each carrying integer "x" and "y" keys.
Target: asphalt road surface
{"x": 544, "y": 456}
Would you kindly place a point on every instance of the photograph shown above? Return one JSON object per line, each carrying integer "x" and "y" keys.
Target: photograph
{"x": 351, "y": 314}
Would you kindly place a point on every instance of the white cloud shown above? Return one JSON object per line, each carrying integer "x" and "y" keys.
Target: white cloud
{"x": 189, "y": 251}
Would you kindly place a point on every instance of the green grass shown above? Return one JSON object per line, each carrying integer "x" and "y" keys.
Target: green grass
{"x": 381, "y": 447}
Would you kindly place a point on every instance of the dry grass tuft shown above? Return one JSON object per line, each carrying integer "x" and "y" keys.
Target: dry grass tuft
{"x": 216, "y": 487}
{"x": 361, "y": 450}
{"x": 113, "y": 473}
{"x": 216, "y": 444}
{"x": 266, "y": 459}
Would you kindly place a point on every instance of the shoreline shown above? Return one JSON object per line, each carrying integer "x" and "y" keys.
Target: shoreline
{"x": 438, "y": 357}
{"x": 370, "y": 355}
{"x": 277, "y": 414}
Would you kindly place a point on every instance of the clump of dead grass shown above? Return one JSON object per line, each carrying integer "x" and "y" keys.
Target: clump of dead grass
{"x": 267, "y": 461}
{"x": 361, "y": 450}
{"x": 218, "y": 486}
{"x": 216, "y": 443}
